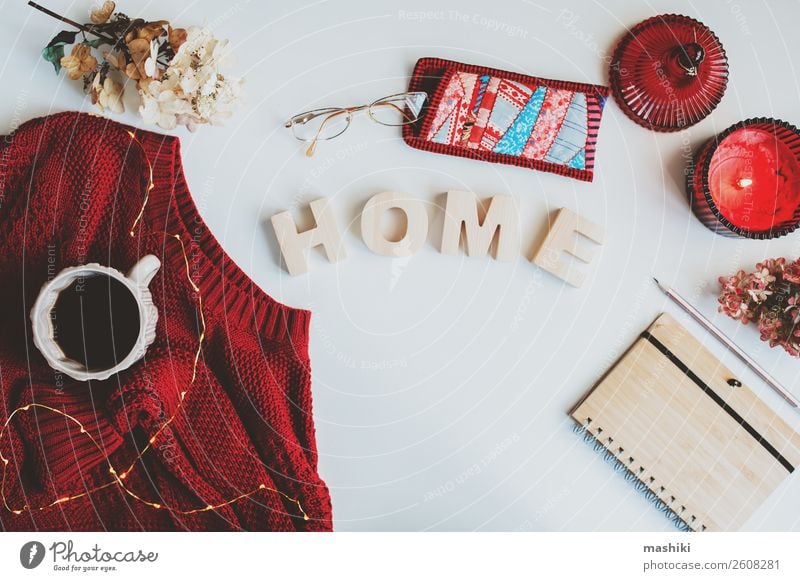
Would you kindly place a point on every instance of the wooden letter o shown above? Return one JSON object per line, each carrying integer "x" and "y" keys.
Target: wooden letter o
{"x": 416, "y": 224}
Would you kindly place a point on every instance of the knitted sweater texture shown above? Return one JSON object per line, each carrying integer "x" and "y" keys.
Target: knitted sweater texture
{"x": 71, "y": 186}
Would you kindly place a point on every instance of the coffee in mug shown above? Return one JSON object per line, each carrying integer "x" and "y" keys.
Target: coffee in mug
{"x": 91, "y": 321}
{"x": 96, "y": 321}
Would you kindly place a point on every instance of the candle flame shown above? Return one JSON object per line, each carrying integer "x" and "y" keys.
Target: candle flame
{"x": 745, "y": 182}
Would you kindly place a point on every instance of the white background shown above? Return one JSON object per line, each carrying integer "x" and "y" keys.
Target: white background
{"x": 442, "y": 383}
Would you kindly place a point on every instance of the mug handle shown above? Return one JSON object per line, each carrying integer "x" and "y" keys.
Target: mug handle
{"x": 143, "y": 271}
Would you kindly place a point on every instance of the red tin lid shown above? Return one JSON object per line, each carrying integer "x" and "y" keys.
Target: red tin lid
{"x": 669, "y": 72}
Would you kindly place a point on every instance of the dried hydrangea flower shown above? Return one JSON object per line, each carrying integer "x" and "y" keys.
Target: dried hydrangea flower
{"x": 192, "y": 91}
{"x": 177, "y": 71}
{"x": 176, "y": 36}
{"x": 107, "y": 95}
{"x": 101, "y": 14}
{"x": 770, "y": 297}
{"x": 144, "y": 54}
{"x": 116, "y": 60}
{"x": 152, "y": 30}
{"x": 79, "y": 62}
{"x": 162, "y": 103}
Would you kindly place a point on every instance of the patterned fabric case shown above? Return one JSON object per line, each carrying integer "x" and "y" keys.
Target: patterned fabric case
{"x": 505, "y": 117}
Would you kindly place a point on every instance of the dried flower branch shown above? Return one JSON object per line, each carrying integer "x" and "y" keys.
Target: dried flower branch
{"x": 769, "y": 297}
{"x": 176, "y": 71}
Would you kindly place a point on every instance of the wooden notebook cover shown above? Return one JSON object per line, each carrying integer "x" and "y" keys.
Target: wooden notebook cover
{"x": 711, "y": 452}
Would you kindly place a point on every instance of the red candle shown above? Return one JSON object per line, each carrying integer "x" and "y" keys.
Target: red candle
{"x": 747, "y": 180}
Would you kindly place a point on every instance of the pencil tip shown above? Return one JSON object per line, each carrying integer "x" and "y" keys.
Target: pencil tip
{"x": 655, "y": 279}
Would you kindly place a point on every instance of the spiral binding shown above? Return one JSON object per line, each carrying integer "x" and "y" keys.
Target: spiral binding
{"x": 627, "y": 470}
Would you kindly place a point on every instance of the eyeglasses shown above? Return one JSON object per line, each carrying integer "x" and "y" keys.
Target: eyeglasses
{"x": 323, "y": 124}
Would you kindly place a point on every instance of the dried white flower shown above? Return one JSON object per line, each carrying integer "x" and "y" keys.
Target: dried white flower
{"x": 107, "y": 95}
{"x": 191, "y": 91}
{"x": 162, "y": 102}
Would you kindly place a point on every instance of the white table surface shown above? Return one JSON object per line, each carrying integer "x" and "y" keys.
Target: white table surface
{"x": 441, "y": 383}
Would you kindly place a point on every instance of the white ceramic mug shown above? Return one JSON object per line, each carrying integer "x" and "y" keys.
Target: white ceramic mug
{"x": 136, "y": 281}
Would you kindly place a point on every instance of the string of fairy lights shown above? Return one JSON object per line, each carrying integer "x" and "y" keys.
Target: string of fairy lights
{"x": 118, "y": 477}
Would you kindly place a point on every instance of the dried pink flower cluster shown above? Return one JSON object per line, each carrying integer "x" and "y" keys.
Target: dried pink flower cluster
{"x": 769, "y": 297}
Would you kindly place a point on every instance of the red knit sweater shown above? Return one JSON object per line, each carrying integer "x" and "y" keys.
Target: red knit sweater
{"x": 71, "y": 186}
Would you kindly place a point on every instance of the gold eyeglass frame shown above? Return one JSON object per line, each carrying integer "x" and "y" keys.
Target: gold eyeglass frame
{"x": 333, "y": 112}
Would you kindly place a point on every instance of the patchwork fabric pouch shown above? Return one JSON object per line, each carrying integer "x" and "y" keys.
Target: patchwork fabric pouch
{"x": 506, "y": 117}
